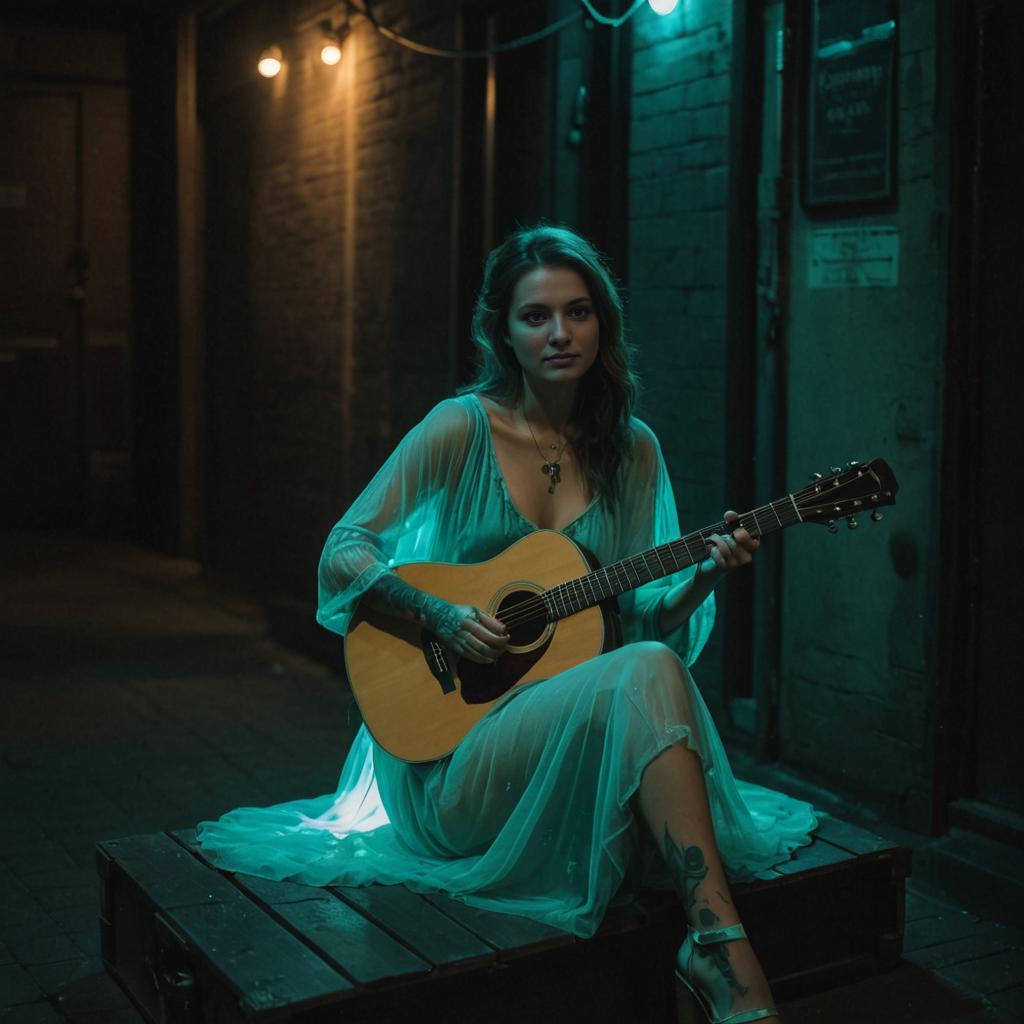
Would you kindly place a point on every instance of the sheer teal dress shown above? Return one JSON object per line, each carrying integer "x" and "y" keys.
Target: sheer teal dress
{"x": 533, "y": 812}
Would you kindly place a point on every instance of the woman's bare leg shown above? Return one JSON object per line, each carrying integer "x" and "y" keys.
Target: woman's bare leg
{"x": 674, "y": 803}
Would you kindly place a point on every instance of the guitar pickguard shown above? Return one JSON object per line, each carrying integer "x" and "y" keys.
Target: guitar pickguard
{"x": 480, "y": 684}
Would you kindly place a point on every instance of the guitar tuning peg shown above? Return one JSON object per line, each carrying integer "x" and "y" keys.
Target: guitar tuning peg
{"x": 832, "y": 528}
{"x": 851, "y": 522}
{"x": 835, "y": 470}
{"x": 852, "y": 464}
{"x": 877, "y": 516}
{"x": 815, "y": 477}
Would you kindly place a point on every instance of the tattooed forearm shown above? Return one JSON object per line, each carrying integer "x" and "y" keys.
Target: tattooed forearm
{"x": 391, "y": 594}
{"x": 455, "y": 626}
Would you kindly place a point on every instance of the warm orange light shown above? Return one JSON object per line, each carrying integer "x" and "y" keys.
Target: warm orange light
{"x": 270, "y": 61}
{"x": 330, "y": 53}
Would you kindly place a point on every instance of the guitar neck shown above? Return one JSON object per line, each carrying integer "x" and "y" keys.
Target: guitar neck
{"x": 654, "y": 563}
{"x": 862, "y": 487}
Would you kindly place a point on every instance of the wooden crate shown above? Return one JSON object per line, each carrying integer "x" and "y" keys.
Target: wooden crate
{"x": 191, "y": 943}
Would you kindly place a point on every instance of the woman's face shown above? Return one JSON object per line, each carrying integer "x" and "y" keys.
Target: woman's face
{"x": 552, "y": 325}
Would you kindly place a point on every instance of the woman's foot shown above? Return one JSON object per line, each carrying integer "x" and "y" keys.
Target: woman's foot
{"x": 724, "y": 977}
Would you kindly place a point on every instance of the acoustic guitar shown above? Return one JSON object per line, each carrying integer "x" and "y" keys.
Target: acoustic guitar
{"x": 419, "y": 700}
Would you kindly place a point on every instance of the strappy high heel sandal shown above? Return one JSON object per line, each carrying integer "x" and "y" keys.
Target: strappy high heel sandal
{"x": 690, "y": 998}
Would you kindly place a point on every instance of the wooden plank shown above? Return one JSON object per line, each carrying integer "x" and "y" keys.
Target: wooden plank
{"x": 267, "y": 967}
{"x": 169, "y": 875}
{"x": 508, "y": 934}
{"x": 262, "y": 963}
{"x": 851, "y": 838}
{"x": 816, "y": 857}
{"x": 862, "y": 843}
{"x": 833, "y": 911}
{"x": 431, "y": 934}
{"x": 341, "y": 935}
{"x": 187, "y": 838}
{"x": 338, "y": 932}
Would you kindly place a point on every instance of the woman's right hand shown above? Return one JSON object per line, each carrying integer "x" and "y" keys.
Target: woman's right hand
{"x": 467, "y": 631}
{"x": 463, "y": 629}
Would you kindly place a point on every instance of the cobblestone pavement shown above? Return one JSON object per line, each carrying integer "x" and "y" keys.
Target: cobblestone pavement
{"x": 137, "y": 698}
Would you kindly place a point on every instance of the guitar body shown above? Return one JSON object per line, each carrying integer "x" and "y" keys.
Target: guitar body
{"x": 418, "y": 701}
{"x": 415, "y": 709}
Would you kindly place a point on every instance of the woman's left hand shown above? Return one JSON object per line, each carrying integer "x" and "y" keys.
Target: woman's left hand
{"x": 725, "y": 552}
{"x": 731, "y": 550}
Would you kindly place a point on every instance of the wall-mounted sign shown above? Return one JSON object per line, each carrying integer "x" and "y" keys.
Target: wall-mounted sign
{"x": 851, "y": 99}
{"x": 854, "y": 258}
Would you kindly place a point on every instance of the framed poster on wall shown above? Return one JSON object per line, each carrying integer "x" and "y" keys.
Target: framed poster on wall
{"x": 851, "y": 103}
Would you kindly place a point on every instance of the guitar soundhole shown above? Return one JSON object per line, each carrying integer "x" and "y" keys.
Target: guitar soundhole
{"x": 518, "y": 605}
{"x": 480, "y": 684}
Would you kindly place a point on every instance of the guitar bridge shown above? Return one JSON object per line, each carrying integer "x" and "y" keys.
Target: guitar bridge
{"x": 433, "y": 654}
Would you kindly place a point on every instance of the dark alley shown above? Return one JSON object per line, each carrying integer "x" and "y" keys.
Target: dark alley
{"x": 368, "y": 369}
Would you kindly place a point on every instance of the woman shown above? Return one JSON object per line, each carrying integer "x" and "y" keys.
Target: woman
{"x": 535, "y": 812}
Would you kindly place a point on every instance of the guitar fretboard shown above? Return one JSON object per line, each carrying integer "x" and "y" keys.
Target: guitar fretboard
{"x": 654, "y": 563}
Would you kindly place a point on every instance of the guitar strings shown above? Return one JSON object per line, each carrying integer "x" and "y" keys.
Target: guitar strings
{"x": 536, "y": 607}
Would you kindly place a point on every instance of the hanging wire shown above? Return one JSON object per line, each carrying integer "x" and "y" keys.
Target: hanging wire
{"x": 603, "y": 19}
{"x": 513, "y": 44}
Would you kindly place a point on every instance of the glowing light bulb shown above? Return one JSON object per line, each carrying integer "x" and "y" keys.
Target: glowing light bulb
{"x": 663, "y": 6}
{"x": 330, "y": 53}
{"x": 270, "y": 61}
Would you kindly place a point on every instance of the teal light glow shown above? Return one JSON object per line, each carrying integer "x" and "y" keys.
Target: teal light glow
{"x": 663, "y": 6}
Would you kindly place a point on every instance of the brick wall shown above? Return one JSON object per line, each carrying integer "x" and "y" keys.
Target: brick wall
{"x": 677, "y": 256}
{"x": 328, "y": 206}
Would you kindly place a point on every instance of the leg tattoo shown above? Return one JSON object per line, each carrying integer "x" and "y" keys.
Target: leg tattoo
{"x": 687, "y": 867}
{"x": 688, "y": 871}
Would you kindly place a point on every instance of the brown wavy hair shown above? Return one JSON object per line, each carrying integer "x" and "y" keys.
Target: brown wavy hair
{"x": 601, "y": 435}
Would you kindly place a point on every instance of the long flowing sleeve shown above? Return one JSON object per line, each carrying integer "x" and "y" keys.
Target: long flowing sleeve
{"x": 397, "y": 516}
{"x": 650, "y": 518}
{"x": 346, "y": 835}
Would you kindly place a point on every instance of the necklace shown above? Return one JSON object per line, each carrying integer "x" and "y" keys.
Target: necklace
{"x": 552, "y": 467}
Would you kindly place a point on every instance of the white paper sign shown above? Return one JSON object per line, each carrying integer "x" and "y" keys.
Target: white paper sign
{"x": 854, "y": 258}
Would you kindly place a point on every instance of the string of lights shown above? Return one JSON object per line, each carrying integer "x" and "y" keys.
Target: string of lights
{"x": 269, "y": 66}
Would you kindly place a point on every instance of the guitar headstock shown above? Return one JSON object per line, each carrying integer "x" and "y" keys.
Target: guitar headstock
{"x": 861, "y": 487}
